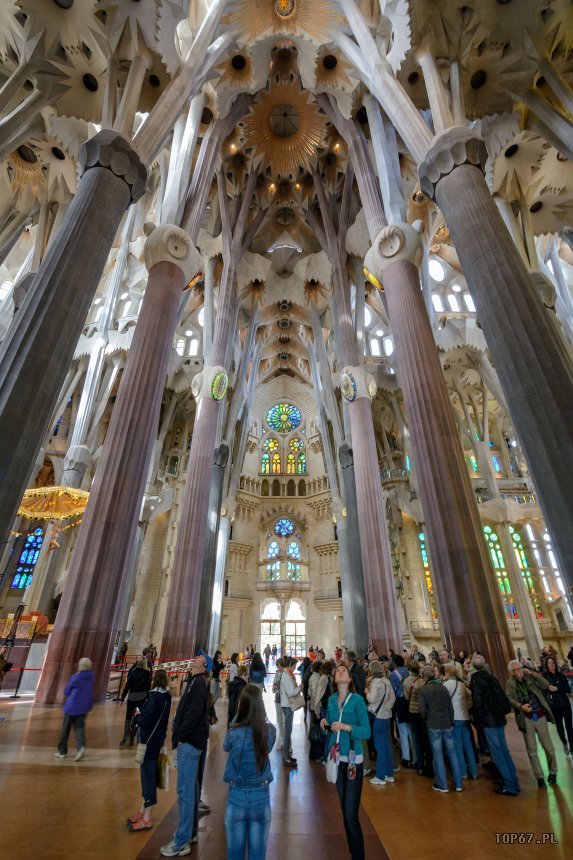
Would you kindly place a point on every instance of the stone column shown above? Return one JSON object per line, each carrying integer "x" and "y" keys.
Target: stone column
{"x": 533, "y": 371}
{"x": 353, "y": 590}
{"x": 221, "y": 562}
{"x": 461, "y": 564}
{"x": 37, "y": 351}
{"x": 220, "y": 459}
{"x": 92, "y": 601}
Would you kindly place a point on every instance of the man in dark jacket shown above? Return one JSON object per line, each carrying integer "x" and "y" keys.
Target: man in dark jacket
{"x": 436, "y": 709}
{"x": 190, "y": 734}
{"x": 526, "y": 692}
{"x": 490, "y": 705}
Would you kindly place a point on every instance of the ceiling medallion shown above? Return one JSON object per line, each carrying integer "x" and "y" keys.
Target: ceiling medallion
{"x": 219, "y": 385}
{"x": 284, "y": 8}
{"x": 285, "y": 127}
{"x": 348, "y": 386}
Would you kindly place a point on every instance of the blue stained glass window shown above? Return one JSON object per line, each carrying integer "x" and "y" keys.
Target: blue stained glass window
{"x": 301, "y": 464}
{"x": 293, "y": 549}
{"x": 283, "y": 417}
{"x": 496, "y": 464}
{"x": 266, "y": 464}
{"x": 273, "y": 550}
{"x": 28, "y": 559}
{"x": 284, "y": 527}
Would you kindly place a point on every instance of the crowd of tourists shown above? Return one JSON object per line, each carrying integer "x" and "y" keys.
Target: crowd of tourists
{"x": 373, "y": 717}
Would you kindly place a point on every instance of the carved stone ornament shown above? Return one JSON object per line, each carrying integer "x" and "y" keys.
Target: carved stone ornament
{"x": 211, "y": 382}
{"x": 109, "y": 149}
{"x": 170, "y": 244}
{"x": 544, "y": 289}
{"x": 394, "y": 243}
{"x": 451, "y": 149}
{"x": 355, "y": 383}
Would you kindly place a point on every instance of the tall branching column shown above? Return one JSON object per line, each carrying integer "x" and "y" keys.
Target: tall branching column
{"x": 38, "y": 349}
{"x": 358, "y": 389}
{"x": 188, "y": 566}
{"x": 460, "y": 563}
{"x": 86, "y": 621}
{"x": 532, "y": 367}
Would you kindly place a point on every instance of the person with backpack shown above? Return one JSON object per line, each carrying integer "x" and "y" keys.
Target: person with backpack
{"x": 490, "y": 707}
{"x": 257, "y": 672}
{"x": 526, "y": 693}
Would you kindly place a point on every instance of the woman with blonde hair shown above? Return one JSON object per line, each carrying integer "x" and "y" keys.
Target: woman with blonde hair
{"x": 153, "y": 721}
{"x": 461, "y": 702}
{"x": 381, "y": 697}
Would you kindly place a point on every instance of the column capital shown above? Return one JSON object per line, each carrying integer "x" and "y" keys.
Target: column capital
{"x": 78, "y": 458}
{"x": 170, "y": 244}
{"x": 113, "y": 151}
{"x": 212, "y": 382}
{"x": 355, "y": 383}
{"x": 455, "y": 146}
{"x": 394, "y": 243}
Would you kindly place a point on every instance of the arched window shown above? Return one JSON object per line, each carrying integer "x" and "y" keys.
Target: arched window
{"x": 293, "y": 567}
{"x": 495, "y": 551}
{"x": 180, "y": 346}
{"x": 266, "y": 464}
{"x": 291, "y": 489}
{"x": 28, "y": 558}
{"x": 301, "y": 464}
{"x": 193, "y": 346}
{"x": 273, "y": 567}
{"x": 276, "y": 463}
{"x": 291, "y": 464}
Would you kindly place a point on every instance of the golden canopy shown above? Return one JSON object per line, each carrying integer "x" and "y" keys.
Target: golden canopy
{"x": 53, "y": 503}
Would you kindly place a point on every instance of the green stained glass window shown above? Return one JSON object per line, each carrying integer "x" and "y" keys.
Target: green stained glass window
{"x": 266, "y": 464}
{"x": 427, "y": 574}
{"x": 283, "y": 417}
{"x": 301, "y": 464}
{"x": 284, "y": 527}
{"x": 296, "y": 444}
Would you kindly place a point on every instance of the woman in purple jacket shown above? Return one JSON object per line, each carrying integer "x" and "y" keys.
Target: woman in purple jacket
{"x": 79, "y": 701}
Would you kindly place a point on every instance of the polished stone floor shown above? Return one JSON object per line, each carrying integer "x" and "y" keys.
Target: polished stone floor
{"x": 65, "y": 810}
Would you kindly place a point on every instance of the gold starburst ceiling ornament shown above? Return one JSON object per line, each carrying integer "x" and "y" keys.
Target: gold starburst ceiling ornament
{"x": 285, "y": 127}
{"x": 26, "y": 170}
{"x": 309, "y": 19}
{"x": 253, "y": 292}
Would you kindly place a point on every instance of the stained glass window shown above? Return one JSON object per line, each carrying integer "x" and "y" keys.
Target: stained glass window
{"x": 496, "y": 463}
{"x": 276, "y": 464}
{"x": 296, "y": 444}
{"x": 473, "y": 463}
{"x": 427, "y": 573}
{"x": 271, "y": 444}
{"x": 266, "y": 464}
{"x": 498, "y": 561}
{"x": 293, "y": 567}
{"x": 28, "y": 558}
{"x": 283, "y": 417}
{"x": 301, "y": 464}
{"x": 284, "y": 527}
{"x": 273, "y": 550}
{"x": 294, "y": 550}
{"x": 523, "y": 563}
{"x": 291, "y": 464}
{"x": 274, "y": 568}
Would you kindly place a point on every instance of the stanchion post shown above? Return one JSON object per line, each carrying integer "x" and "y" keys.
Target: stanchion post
{"x": 16, "y": 696}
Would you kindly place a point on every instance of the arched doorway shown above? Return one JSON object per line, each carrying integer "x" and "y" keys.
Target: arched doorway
{"x": 270, "y": 625}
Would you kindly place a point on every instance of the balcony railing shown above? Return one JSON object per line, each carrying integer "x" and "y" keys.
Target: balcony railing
{"x": 327, "y": 594}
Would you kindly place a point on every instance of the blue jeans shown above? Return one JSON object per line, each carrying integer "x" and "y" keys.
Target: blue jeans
{"x": 464, "y": 748}
{"x": 148, "y": 771}
{"x": 406, "y": 732}
{"x": 381, "y": 735}
{"x": 247, "y": 824}
{"x": 188, "y": 758}
{"x": 501, "y": 757}
{"x": 440, "y": 739}
{"x": 349, "y": 792}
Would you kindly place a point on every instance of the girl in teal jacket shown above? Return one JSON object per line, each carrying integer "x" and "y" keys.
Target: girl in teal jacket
{"x": 347, "y": 720}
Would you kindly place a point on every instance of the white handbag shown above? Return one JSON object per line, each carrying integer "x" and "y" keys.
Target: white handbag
{"x": 333, "y": 759}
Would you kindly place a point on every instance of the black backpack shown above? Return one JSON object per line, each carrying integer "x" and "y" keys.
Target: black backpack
{"x": 497, "y": 701}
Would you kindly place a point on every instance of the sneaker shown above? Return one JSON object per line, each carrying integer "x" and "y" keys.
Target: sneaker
{"x": 140, "y": 824}
{"x": 541, "y": 783}
{"x": 552, "y": 779}
{"x": 60, "y": 755}
{"x": 407, "y": 765}
{"x": 172, "y": 850}
{"x": 194, "y": 840}
{"x": 459, "y": 788}
{"x": 376, "y": 781}
{"x": 203, "y": 807}
{"x": 80, "y": 754}
{"x": 366, "y": 771}
{"x": 397, "y": 769}
{"x": 436, "y": 787}
{"x": 505, "y": 792}
{"x": 390, "y": 778}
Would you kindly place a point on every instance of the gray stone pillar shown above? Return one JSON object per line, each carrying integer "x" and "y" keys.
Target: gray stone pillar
{"x": 221, "y": 563}
{"x": 532, "y": 368}
{"x": 220, "y": 459}
{"x": 93, "y": 597}
{"x": 37, "y": 351}
{"x": 453, "y": 525}
{"x": 353, "y": 596}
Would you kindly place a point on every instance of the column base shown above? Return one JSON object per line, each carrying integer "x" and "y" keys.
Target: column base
{"x": 62, "y": 662}
{"x": 493, "y": 646}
